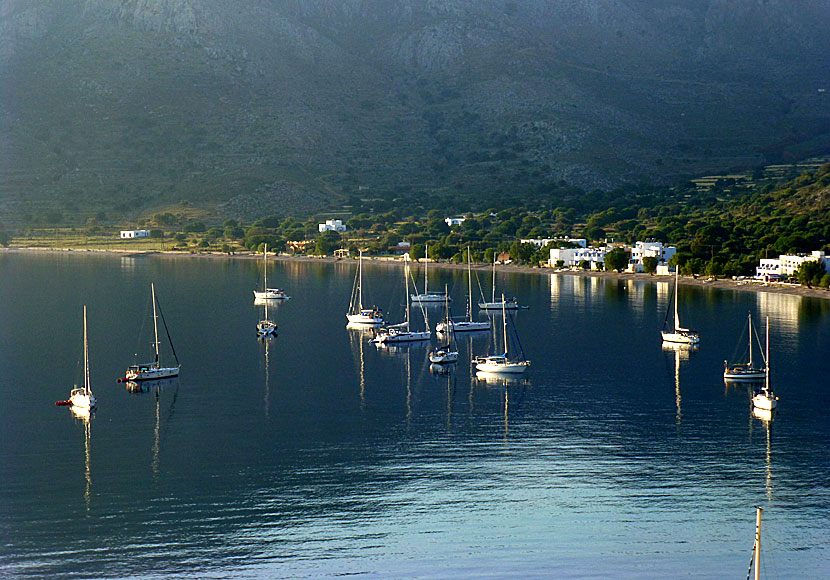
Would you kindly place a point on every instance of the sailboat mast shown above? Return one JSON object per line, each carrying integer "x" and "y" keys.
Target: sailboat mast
{"x": 426, "y": 262}
{"x": 494, "y": 277}
{"x": 86, "y": 357}
{"x": 504, "y": 317}
{"x": 406, "y": 286}
{"x": 766, "y": 362}
{"x": 750, "y": 341}
{"x": 757, "y": 550}
{"x": 360, "y": 281}
{"x": 676, "y": 296}
{"x": 265, "y": 268}
{"x": 155, "y": 322}
{"x": 469, "y": 287}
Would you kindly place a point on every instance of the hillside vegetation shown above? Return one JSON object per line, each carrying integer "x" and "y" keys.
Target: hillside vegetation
{"x": 248, "y": 108}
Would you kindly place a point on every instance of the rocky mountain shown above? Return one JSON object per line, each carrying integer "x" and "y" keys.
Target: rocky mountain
{"x": 274, "y": 106}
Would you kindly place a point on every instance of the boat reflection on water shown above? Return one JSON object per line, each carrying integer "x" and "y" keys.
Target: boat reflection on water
{"x": 502, "y": 380}
{"x": 682, "y": 352}
{"x": 85, "y": 416}
{"x": 442, "y": 369}
{"x": 762, "y": 414}
{"x": 147, "y": 386}
{"x": 401, "y": 349}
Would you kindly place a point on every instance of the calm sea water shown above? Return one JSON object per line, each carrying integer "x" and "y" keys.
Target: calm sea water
{"x": 316, "y": 455}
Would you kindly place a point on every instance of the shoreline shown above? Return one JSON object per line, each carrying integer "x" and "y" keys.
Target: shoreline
{"x": 721, "y": 283}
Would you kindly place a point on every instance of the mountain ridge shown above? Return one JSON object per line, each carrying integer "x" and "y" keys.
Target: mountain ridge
{"x": 138, "y": 104}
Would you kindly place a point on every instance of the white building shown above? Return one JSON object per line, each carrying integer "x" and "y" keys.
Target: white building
{"x": 135, "y": 233}
{"x": 332, "y": 225}
{"x": 642, "y": 250}
{"x": 573, "y": 256}
{"x": 787, "y": 265}
{"x": 455, "y": 221}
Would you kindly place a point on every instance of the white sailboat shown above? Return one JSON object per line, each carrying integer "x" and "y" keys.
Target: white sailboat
{"x": 81, "y": 398}
{"x": 268, "y": 293}
{"x": 500, "y": 363}
{"x": 505, "y": 304}
{"x": 358, "y": 315}
{"x": 745, "y": 372}
{"x": 445, "y": 353}
{"x": 401, "y": 332}
{"x": 469, "y": 324}
{"x": 678, "y": 334}
{"x": 427, "y": 296}
{"x": 765, "y": 399}
{"x": 154, "y": 370}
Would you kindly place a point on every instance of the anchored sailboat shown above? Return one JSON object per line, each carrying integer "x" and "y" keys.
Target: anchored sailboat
{"x": 500, "y": 363}
{"x": 81, "y": 398}
{"x": 445, "y": 353}
{"x": 505, "y": 304}
{"x": 357, "y": 314}
{"x": 266, "y": 327}
{"x": 154, "y": 370}
{"x": 765, "y": 400}
{"x": 678, "y": 334}
{"x": 401, "y": 332}
{"x": 428, "y": 296}
{"x": 468, "y": 324}
{"x": 268, "y": 293}
{"x": 745, "y": 371}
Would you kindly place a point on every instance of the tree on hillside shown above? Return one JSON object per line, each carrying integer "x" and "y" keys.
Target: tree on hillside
{"x": 650, "y": 264}
{"x": 327, "y": 242}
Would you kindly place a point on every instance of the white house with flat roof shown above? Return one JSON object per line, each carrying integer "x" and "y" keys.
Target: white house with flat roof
{"x": 787, "y": 265}
{"x": 129, "y": 234}
{"x": 572, "y": 257}
{"x": 455, "y": 221}
{"x": 642, "y": 250}
{"x": 332, "y": 225}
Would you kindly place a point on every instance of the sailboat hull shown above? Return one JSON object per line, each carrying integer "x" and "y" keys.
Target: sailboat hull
{"x": 81, "y": 399}
{"x": 502, "y": 367}
{"x": 507, "y": 305}
{"x": 398, "y": 337}
{"x": 367, "y": 318}
{"x": 764, "y": 402}
{"x": 461, "y": 326}
{"x": 681, "y": 337}
{"x": 152, "y": 374}
{"x": 427, "y": 298}
{"x": 738, "y": 374}
{"x": 270, "y": 294}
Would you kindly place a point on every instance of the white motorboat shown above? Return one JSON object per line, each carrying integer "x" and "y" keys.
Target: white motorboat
{"x": 678, "y": 334}
{"x": 745, "y": 372}
{"x": 154, "y": 370}
{"x": 81, "y": 398}
{"x": 357, "y": 314}
{"x": 505, "y": 304}
{"x": 268, "y": 293}
{"x": 427, "y": 296}
{"x": 467, "y": 324}
{"x": 501, "y": 363}
{"x": 402, "y": 332}
{"x": 765, "y": 399}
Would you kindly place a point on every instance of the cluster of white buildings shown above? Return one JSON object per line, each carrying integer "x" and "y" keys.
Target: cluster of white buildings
{"x": 332, "y": 226}
{"x": 595, "y": 256}
{"x": 786, "y": 265}
{"x": 129, "y": 234}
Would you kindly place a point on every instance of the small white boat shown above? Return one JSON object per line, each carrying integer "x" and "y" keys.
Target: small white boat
{"x": 445, "y": 353}
{"x": 81, "y": 398}
{"x": 500, "y": 363}
{"x": 153, "y": 370}
{"x": 357, "y": 314}
{"x": 745, "y": 372}
{"x": 505, "y": 304}
{"x": 268, "y": 293}
{"x": 765, "y": 399}
{"x": 678, "y": 334}
{"x": 401, "y": 332}
{"x": 427, "y": 296}
{"x": 468, "y": 324}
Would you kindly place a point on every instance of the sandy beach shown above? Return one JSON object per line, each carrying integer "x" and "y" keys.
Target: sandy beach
{"x": 396, "y": 262}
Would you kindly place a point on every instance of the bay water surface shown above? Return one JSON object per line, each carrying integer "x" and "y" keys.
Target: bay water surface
{"x": 317, "y": 455}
